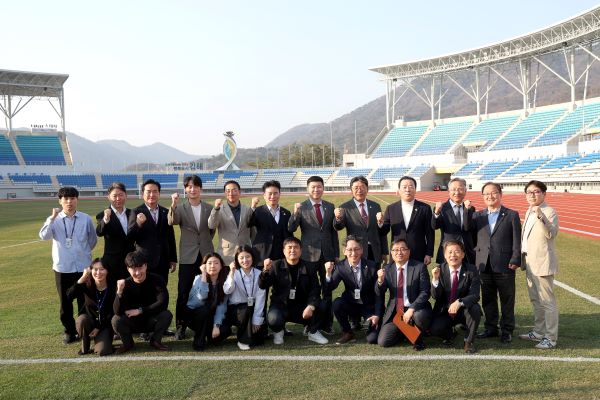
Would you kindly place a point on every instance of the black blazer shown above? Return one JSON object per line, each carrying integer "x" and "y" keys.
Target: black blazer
{"x": 469, "y": 285}
{"x": 419, "y": 236}
{"x": 369, "y": 234}
{"x": 451, "y": 228}
{"x": 268, "y": 242}
{"x": 116, "y": 244}
{"x": 418, "y": 288}
{"x": 343, "y": 273}
{"x": 503, "y": 245}
{"x": 307, "y": 285}
{"x": 156, "y": 240}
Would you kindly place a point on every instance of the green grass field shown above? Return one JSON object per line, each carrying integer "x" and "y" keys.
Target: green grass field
{"x": 30, "y": 329}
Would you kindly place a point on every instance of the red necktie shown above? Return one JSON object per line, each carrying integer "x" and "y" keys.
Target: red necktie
{"x": 363, "y": 214}
{"x": 400, "y": 292}
{"x": 318, "y": 212}
{"x": 454, "y": 289}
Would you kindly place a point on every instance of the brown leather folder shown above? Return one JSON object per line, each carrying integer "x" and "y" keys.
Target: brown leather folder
{"x": 410, "y": 331}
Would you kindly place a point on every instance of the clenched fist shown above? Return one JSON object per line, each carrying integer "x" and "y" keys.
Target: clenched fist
{"x": 435, "y": 274}
{"x": 379, "y": 217}
{"x": 297, "y": 207}
{"x": 438, "y": 208}
{"x": 55, "y": 212}
{"x": 174, "y": 199}
{"x": 255, "y": 201}
{"x": 218, "y": 203}
{"x": 140, "y": 219}
{"x": 267, "y": 264}
{"x": 339, "y": 213}
{"x": 380, "y": 275}
{"x": 120, "y": 286}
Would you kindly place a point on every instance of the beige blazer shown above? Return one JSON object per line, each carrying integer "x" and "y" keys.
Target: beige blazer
{"x": 541, "y": 249}
{"x": 230, "y": 235}
{"x": 193, "y": 239}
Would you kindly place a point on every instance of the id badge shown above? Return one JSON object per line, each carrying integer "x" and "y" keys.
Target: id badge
{"x": 292, "y": 294}
{"x": 68, "y": 243}
{"x": 356, "y": 294}
{"x": 250, "y": 301}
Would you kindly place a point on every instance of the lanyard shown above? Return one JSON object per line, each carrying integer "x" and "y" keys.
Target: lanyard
{"x": 100, "y": 302}
{"x": 356, "y": 282}
{"x": 72, "y": 228}
{"x": 297, "y": 275}
{"x": 244, "y": 283}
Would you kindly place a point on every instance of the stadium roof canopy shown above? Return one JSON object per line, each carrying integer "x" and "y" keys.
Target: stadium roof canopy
{"x": 579, "y": 30}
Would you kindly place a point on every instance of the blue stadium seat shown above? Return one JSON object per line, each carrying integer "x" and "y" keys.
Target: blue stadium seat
{"x": 80, "y": 181}
{"x": 41, "y": 179}
{"x": 442, "y": 138}
{"x": 570, "y": 125}
{"x": 129, "y": 180}
{"x": 399, "y": 141}
{"x": 528, "y": 128}
{"x": 489, "y": 130}
{"x": 40, "y": 150}
{"x": 7, "y": 155}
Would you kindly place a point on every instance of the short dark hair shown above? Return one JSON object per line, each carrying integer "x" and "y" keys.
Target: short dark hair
{"x": 243, "y": 248}
{"x": 150, "y": 182}
{"x": 232, "y": 182}
{"x": 272, "y": 183}
{"x": 452, "y": 242}
{"x": 135, "y": 259}
{"x": 351, "y": 237}
{"x": 398, "y": 241}
{"x": 405, "y": 177}
{"x": 68, "y": 191}
{"x": 315, "y": 178}
{"x": 538, "y": 184}
{"x": 459, "y": 180}
{"x": 496, "y": 185}
{"x": 195, "y": 179}
{"x": 359, "y": 179}
{"x": 292, "y": 239}
{"x": 117, "y": 185}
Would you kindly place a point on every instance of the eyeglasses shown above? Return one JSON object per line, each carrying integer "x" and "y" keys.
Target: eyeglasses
{"x": 491, "y": 194}
{"x": 533, "y": 192}
{"x": 400, "y": 250}
{"x": 457, "y": 190}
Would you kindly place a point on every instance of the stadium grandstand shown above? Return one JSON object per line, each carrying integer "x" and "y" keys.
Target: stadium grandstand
{"x": 557, "y": 143}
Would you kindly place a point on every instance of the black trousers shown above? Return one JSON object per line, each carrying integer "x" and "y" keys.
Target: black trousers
{"x": 277, "y": 316}
{"x": 389, "y": 334}
{"x": 326, "y": 298}
{"x": 63, "y": 282}
{"x": 200, "y": 320}
{"x": 496, "y": 285}
{"x": 186, "y": 275}
{"x": 157, "y": 324}
{"x": 442, "y": 322}
{"x": 345, "y": 309}
{"x": 240, "y": 316}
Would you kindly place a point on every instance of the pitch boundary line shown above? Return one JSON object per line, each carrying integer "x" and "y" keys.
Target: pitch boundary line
{"x": 577, "y": 292}
{"x": 20, "y": 244}
{"x": 299, "y": 358}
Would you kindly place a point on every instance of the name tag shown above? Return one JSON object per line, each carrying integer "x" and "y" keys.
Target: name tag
{"x": 292, "y": 294}
{"x": 250, "y": 301}
{"x": 356, "y": 294}
{"x": 68, "y": 243}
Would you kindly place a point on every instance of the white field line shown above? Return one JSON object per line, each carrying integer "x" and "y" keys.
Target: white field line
{"x": 20, "y": 244}
{"x": 577, "y": 292}
{"x": 580, "y": 231}
{"x": 357, "y": 358}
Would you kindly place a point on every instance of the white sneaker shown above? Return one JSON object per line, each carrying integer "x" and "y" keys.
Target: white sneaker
{"x": 317, "y": 337}
{"x": 243, "y": 346}
{"x": 532, "y": 336}
{"x": 278, "y": 337}
{"x": 545, "y": 344}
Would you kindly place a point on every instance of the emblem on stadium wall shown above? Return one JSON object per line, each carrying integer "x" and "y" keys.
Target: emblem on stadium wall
{"x": 229, "y": 151}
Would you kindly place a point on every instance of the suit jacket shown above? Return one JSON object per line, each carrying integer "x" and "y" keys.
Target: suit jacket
{"x": 194, "y": 240}
{"x": 268, "y": 242}
{"x": 155, "y": 240}
{"x": 117, "y": 244}
{"x": 418, "y": 288}
{"x": 503, "y": 245}
{"x": 230, "y": 235}
{"x": 541, "y": 249}
{"x": 318, "y": 240}
{"x": 419, "y": 236}
{"x": 279, "y": 277}
{"x": 469, "y": 286}
{"x": 369, "y": 234}
{"x": 452, "y": 229}
{"x": 343, "y": 273}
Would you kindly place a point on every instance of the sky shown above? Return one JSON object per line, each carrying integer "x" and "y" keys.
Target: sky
{"x": 184, "y": 72}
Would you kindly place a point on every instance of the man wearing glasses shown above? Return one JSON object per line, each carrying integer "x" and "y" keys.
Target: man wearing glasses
{"x": 497, "y": 255}
{"x": 452, "y": 219}
{"x": 540, "y": 261}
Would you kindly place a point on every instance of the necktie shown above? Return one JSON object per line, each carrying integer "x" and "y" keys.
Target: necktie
{"x": 356, "y": 273}
{"x": 400, "y": 292}
{"x": 155, "y": 215}
{"x": 454, "y": 289}
{"x": 363, "y": 214}
{"x": 318, "y": 212}
{"x": 273, "y": 212}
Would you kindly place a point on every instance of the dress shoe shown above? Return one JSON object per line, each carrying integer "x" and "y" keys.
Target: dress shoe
{"x": 168, "y": 332}
{"x": 180, "y": 333}
{"x": 419, "y": 345}
{"x": 487, "y": 334}
{"x": 158, "y": 345}
{"x": 470, "y": 348}
{"x": 506, "y": 337}
{"x": 347, "y": 337}
{"x": 287, "y": 332}
{"x": 198, "y": 343}
{"x": 123, "y": 349}
{"x": 145, "y": 337}
{"x": 69, "y": 338}
{"x": 82, "y": 352}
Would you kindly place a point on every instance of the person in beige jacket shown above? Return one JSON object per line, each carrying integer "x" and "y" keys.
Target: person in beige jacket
{"x": 541, "y": 264}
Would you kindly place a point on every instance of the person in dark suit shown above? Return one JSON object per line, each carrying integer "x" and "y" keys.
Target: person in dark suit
{"x": 319, "y": 238}
{"x": 195, "y": 241}
{"x": 409, "y": 219}
{"x": 455, "y": 287}
{"x": 452, "y": 219}
{"x": 412, "y": 296}
{"x": 358, "y": 298}
{"x": 150, "y": 231}
{"x": 358, "y": 216}
{"x": 295, "y": 295}
{"x": 112, "y": 225}
{"x": 497, "y": 256}
{"x": 271, "y": 223}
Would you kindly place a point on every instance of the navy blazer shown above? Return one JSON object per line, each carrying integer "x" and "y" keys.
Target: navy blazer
{"x": 418, "y": 288}
{"x": 343, "y": 273}
{"x": 469, "y": 286}
{"x": 503, "y": 245}
{"x": 419, "y": 235}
